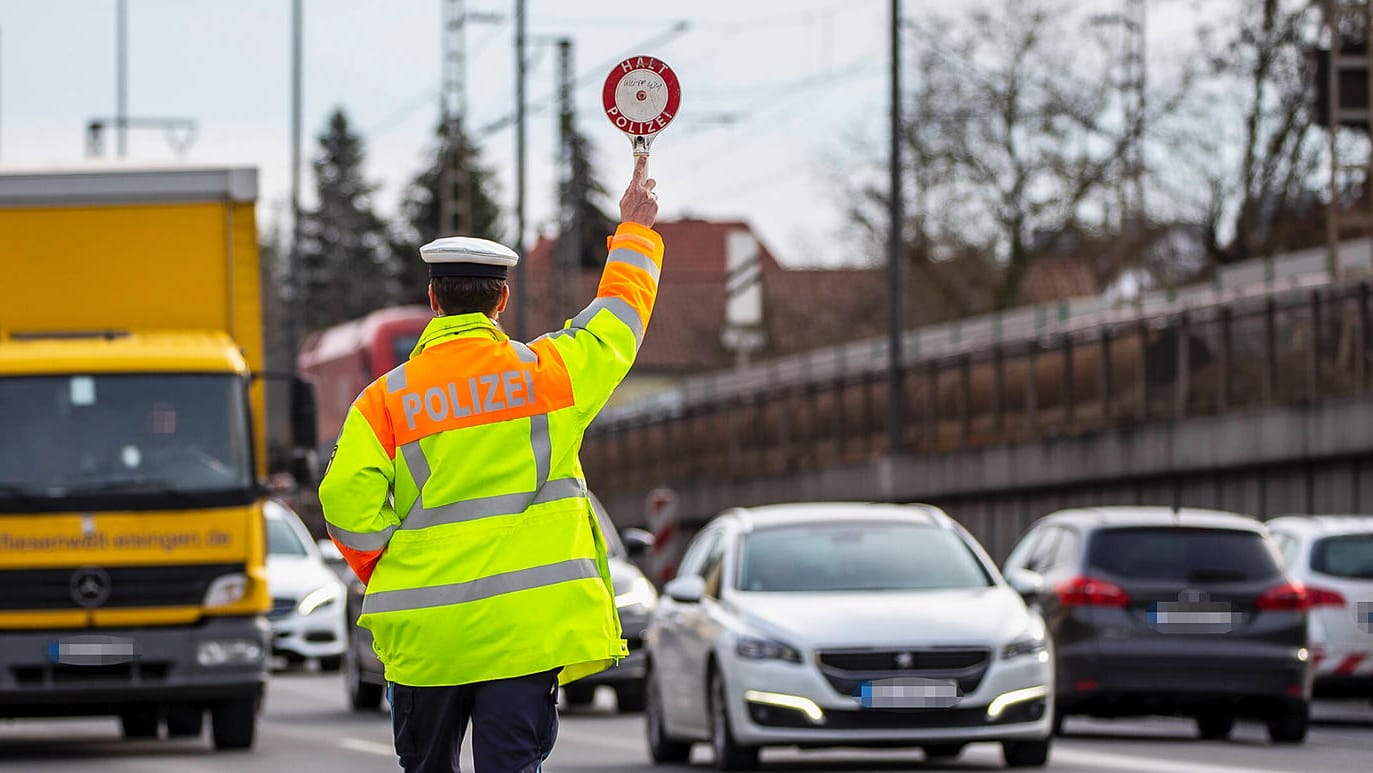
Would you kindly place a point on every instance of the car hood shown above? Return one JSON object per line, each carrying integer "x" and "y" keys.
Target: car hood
{"x": 289, "y": 577}
{"x": 988, "y": 616}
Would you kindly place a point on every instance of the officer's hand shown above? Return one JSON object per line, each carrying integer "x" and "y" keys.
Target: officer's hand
{"x": 640, "y": 203}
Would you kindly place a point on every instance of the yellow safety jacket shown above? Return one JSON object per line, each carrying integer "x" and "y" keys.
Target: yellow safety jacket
{"x": 456, "y": 493}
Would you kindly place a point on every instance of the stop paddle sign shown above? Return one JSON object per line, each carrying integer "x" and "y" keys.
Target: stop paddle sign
{"x": 641, "y": 96}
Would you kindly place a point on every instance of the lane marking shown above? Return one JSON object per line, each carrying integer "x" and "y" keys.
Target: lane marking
{"x": 1100, "y": 760}
{"x": 368, "y": 747}
{"x": 597, "y": 739}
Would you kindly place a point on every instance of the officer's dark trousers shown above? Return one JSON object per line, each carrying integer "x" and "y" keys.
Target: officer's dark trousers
{"x": 514, "y": 724}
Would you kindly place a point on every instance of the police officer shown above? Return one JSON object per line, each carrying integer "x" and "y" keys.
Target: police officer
{"x": 456, "y": 495}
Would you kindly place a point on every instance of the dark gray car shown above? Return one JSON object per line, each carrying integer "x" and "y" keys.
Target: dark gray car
{"x": 635, "y": 598}
{"x": 1157, "y": 611}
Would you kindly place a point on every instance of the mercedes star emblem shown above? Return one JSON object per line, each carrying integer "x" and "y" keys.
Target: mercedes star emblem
{"x": 904, "y": 660}
{"x": 90, "y": 586}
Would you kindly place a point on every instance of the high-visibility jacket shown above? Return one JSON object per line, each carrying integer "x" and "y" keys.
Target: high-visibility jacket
{"x": 457, "y": 496}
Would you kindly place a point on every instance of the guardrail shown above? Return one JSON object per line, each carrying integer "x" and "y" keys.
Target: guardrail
{"x": 1234, "y": 350}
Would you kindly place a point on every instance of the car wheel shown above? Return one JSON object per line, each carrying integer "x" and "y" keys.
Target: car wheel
{"x": 579, "y": 694}
{"x": 1290, "y": 727}
{"x": 138, "y": 723}
{"x": 660, "y": 747}
{"x": 331, "y": 663}
{"x": 944, "y": 752}
{"x": 729, "y": 754}
{"x": 362, "y": 696}
{"x": 1215, "y": 727}
{"x": 1025, "y": 754}
{"x": 1058, "y": 722}
{"x": 629, "y": 697}
{"x": 234, "y": 723}
{"x": 185, "y": 723}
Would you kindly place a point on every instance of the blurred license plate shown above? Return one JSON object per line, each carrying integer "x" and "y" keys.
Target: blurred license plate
{"x": 93, "y": 650}
{"x": 909, "y": 693}
{"x": 1363, "y": 615}
{"x": 1196, "y": 617}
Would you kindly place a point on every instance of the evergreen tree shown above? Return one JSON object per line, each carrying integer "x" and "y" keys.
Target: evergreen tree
{"x": 347, "y": 264}
{"x": 420, "y": 209}
{"x": 585, "y": 220}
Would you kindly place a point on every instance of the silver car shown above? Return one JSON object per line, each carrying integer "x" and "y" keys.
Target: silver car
{"x": 844, "y": 624}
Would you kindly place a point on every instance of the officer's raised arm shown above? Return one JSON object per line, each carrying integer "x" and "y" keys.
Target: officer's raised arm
{"x": 602, "y": 341}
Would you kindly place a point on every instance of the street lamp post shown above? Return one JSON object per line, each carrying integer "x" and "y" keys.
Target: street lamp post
{"x": 895, "y": 274}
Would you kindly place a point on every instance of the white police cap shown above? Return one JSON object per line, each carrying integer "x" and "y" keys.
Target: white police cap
{"x": 468, "y": 256}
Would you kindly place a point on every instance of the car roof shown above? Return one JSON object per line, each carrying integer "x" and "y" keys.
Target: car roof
{"x": 1324, "y": 524}
{"x": 791, "y": 513}
{"x": 1139, "y": 515}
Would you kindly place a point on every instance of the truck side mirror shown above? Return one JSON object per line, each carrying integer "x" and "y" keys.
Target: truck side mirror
{"x": 304, "y": 432}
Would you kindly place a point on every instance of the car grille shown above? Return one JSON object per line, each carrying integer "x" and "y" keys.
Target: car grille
{"x": 129, "y": 586}
{"x": 846, "y": 670}
{"x": 281, "y": 608}
{"x": 896, "y": 719}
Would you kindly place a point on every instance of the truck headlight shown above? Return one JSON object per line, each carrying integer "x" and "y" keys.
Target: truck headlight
{"x": 318, "y": 599}
{"x": 225, "y": 590}
{"x": 754, "y": 648}
{"x": 641, "y": 593}
{"x": 228, "y": 652}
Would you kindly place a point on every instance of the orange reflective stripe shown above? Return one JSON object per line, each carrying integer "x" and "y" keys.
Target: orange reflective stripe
{"x": 469, "y": 382}
{"x": 631, "y": 284}
{"x": 372, "y": 405}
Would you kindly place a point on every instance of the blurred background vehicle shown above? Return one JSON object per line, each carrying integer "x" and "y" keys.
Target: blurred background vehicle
{"x": 308, "y": 599}
{"x": 1332, "y": 556}
{"x": 1178, "y": 612}
{"x": 844, "y": 624}
{"x": 635, "y": 597}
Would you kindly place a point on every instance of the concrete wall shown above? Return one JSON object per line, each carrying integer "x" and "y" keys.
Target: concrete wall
{"x": 1312, "y": 459}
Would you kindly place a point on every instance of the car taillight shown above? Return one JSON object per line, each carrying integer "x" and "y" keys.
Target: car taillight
{"x": 1090, "y": 592}
{"x": 1289, "y": 597}
{"x": 1323, "y": 597}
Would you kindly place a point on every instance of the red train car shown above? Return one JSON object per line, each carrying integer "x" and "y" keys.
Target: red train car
{"x": 345, "y": 358}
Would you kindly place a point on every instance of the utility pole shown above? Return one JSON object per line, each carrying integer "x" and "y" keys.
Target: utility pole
{"x": 295, "y": 309}
{"x": 455, "y": 199}
{"x": 521, "y": 273}
{"x": 121, "y": 77}
{"x": 569, "y": 232}
{"x": 1135, "y": 84}
{"x": 896, "y": 422}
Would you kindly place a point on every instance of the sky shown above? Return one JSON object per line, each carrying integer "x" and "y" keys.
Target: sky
{"x": 777, "y": 95}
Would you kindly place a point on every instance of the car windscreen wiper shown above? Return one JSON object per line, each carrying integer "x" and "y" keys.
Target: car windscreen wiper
{"x": 144, "y": 487}
{"x": 18, "y": 492}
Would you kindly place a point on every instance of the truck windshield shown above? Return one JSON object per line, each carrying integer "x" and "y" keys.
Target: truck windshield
{"x": 123, "y": 441}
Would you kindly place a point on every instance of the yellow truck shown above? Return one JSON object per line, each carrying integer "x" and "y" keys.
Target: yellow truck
{"x": 132, "y": 450}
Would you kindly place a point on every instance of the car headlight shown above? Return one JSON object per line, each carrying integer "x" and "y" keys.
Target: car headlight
{"x": 754, "y": 648}
{"x": 1032, "y": 643}
{"x": 641, "y": 593}
{"x": 225, "y": 590}
{"x": 317, "y": 599}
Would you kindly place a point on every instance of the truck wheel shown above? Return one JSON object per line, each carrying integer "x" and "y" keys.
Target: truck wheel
{"x": 362, "y": 696}
{"x": 234, "y": 723}
{"x": 138, "y": 723}
{"x": 331, "y": 663}
{"x": 185, "y": 723}
{"x": 579, "y": 694}
{"x": 629, "y": 698}
{"x": 1025, "y": 754}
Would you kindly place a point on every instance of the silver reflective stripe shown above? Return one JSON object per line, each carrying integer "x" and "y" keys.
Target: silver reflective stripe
{"x": 395, "y": 380}
{"x": 486, "y": 507}
{"x": 633, "y": 258}
{"x": 616, "y": 306}
{"x": 567, "y": 332}
{"x": 484, "y": 588}
{"x": 367, "y": 541}
{"x": 542, "y": 446}
{"x": 418, "y": 464}
{"x": 523, "y": 352}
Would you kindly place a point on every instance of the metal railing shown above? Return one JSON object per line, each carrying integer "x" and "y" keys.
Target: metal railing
{"x": 1245, "y": 349}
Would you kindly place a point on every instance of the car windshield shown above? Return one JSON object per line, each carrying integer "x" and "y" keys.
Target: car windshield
{"x": 1183, "y": 554}
{"x": 282, "y": 539}
{"x": 1348, "y": 555}
{"x": 105, "y": 436}
{"x": 857, "y": 556}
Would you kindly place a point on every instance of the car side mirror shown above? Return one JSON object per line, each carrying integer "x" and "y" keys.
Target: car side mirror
{"x": 1025, "y": 582}
{"x": 687, "y": 590}
{"x": 637, "y": 542}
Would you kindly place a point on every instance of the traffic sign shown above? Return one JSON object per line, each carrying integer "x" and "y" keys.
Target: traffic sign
{"x": 641, "y": 97}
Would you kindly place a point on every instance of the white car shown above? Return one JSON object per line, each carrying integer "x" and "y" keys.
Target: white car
{"x": 844, "y": 624}
{"x": 309, "y": 607}
{"x": 1333, "y": 557}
